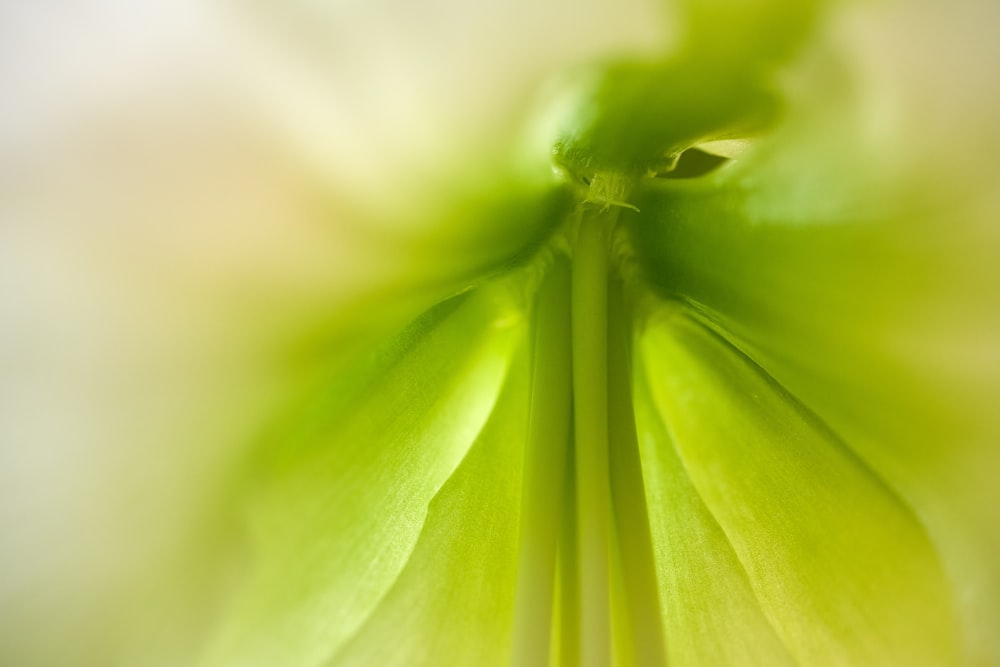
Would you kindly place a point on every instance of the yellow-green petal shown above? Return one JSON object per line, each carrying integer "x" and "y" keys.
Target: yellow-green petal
{"x": 454, "y": 600}
{"x": 842, "y": 567}
{"x": 709, "y": 612}
{"x": 333, "y": 505}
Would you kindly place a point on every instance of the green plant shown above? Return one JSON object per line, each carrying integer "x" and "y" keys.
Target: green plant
{"x": 688, "y": 359}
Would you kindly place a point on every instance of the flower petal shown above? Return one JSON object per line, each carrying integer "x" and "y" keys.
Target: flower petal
{"x": 334, "y": 504}
{"x": 842, "y": 568}
{"x": 455, "y": 597}
{"x": 710, "y": 613}
{"x": 851, "y": 253}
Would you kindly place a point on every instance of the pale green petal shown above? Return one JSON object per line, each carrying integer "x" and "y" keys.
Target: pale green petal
{"x": 884, "y": 329}
{"x": 842, "y": 568}
{"x": 710, "y": 613}
{"x": 454, "y": 601}
{"x": 334, "y": 504}
{"x": 852, "y": 254}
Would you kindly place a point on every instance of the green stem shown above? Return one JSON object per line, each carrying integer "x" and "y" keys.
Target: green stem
{"x": 634, "y": 543}
{"x": 544, "y": 469}
{"x": 590, "y": 397}
{"x": 569, "y": 576}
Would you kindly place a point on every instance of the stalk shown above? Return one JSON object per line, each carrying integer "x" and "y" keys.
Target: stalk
{"x": 545, "y": 466}
{"x": 590, "y": 397}
{"x": 569, "y": 575}
{"x": 641, "y": 608}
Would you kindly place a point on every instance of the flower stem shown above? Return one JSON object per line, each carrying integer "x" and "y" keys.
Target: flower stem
{"x": 590, "y": 398}
{"x": 545, "y": 469}
{"x": 568, "y": 653}
{"x": 584, "y": 506}
{"x": 634, "y": 544}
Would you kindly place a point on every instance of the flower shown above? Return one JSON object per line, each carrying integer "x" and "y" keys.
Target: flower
{"x": 316, "y": 360}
